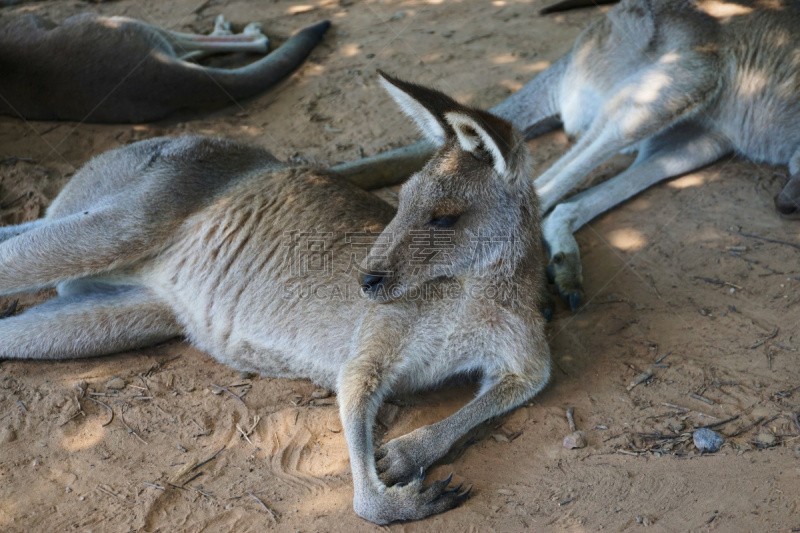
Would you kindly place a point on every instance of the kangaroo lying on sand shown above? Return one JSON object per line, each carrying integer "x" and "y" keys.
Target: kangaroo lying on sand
{"x": 117, "y": 69}
{"x": 214, "y": 240}
{"x": 681, "y": 82}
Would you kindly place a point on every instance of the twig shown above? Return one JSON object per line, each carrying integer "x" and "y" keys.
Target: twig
{"x": 662, "y": 357}
{"x": 130, "y": 430}
{"x": 796, "y": 421}
{"x": 159, "y": 487}
{"x": 760, "y": 342}
{"x": 110, "y": 411}
{"x": 229, "y": 392}
{"x": 203, "y": 491}
{"x": 19, "y": 402}
{"x": 774, "y": 418}
{"x": 641, "y": 378}
{"x": 701, "y": 398}
{"x": 673, "y": 406}
{"x": 244, "y": 435}
{"x": 106, "y": 491}
{"x": 767, "y": 239}
{"x": 78, "y": 412}
{"x": 571, "y": 419}
{"x": 718, "y": 282}
{"x": 720, "y": 423}
{"x": 565, "y": 502}
{"x": 198, "y": 465}
{"x": 625, "y": 452}
{"x": 269, "y": 511}
{"x": 146, "y": 386}
{"x": 746, "y": 428}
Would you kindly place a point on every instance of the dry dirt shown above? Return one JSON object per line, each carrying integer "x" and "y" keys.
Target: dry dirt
{"x": 64, "y": 468}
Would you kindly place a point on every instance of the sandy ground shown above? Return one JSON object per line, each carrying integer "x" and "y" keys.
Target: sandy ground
{"x": 64, "y": 468}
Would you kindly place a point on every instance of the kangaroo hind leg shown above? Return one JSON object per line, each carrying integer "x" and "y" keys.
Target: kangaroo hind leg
{"x": 72, "y": 247}
{"x": 679, "y": 150}
{"x": 788, "y": 200}
{"x": 221, "y": 40}
{"x": 87, "y": 325}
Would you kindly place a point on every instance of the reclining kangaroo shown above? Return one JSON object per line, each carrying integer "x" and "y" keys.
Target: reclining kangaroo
{"x": 681, "y": 82}
{"x": 252, "y": 259}
{"x": 117, "y": 69}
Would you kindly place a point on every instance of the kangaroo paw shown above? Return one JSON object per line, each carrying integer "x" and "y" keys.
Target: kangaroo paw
{"x": 566, "y": 272}
{"x": 409, "y": 502}
{"x": 400, "y": 459}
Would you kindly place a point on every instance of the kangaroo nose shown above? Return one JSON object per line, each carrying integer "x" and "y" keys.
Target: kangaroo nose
{"x": 372, "y": 282}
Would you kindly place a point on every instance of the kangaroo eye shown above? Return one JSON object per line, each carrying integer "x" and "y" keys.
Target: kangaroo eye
{"x": 444, "y": 221}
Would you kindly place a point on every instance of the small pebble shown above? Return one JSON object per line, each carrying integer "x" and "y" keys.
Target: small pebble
{"x": 68, "y": 490}
{"x": 320, "y": 394}
{"x": 576, "y": 439}
{"x": 707, "y": 440}
{"x": 115, "y": 384}
{"x": 499, "y": 437}
{"x": 80, "y": 385}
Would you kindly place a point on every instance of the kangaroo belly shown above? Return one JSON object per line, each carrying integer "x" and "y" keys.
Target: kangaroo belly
{"x": 264, "y": 279}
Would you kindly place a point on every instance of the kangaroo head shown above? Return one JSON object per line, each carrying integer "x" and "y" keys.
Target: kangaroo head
{"x": 468, "y": 212}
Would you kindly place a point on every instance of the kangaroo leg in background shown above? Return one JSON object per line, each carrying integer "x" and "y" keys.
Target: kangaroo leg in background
{"x": 220, "y": 40}
{"x": 788, "y": 200}
{"x": 533, "y": 110}
{"x": 679, "y": 150}
{"x": 88, "y": 325}
{"x": 79, "y": 245}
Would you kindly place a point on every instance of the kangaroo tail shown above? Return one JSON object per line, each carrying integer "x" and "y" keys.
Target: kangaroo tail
{"x": 257, "y": 77}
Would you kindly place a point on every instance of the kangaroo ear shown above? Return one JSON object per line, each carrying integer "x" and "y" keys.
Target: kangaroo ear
{"x": 425, "y": 106}
{"x": 474, "y": 137}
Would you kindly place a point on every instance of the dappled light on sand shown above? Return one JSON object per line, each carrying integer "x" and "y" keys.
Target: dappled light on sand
{"x": 88, "y": 435}
{"x": 685, "y": 182}
{"x": 627, "y": 239}
{"x": 725, "y": 9}
{"x": 642, "y": 302}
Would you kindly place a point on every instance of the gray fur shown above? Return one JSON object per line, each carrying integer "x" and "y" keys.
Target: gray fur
{"x": 682, "y": 83}
{"x": 191, "y": 236}
{"x": 117, "y": 69}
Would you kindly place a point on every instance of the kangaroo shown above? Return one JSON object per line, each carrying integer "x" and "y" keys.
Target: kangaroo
{"x": 253, "y": 260}
{"x": 681, "y": 82}
{"x": 117, "y": 69}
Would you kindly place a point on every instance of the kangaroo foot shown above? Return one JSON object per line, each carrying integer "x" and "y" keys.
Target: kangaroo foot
{"x": 409, "y": 502}
{"x": 566, "y": 272}
{"x": 788, "y": 200}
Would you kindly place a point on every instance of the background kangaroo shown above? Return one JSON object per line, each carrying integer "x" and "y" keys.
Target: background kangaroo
{"x": 682, "y": 83}
{"x": 210, "y": 239}
{"x": 117, "y": 69}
